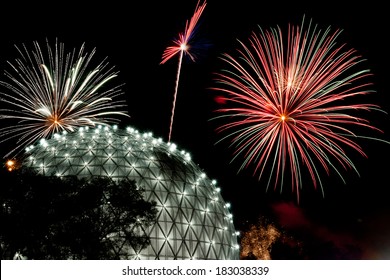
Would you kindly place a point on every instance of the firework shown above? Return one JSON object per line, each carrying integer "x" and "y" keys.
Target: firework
{"x": 54, "y": 91}
{"x": 292, "y": 106}
{"x": 181, "y": 46}
{"x": 258, "y": 240}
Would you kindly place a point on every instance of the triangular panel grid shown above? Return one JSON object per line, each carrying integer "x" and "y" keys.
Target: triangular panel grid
{"x": 193, "y": 221}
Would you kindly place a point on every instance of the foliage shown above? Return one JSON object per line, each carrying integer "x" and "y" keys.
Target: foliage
{"x": 48, "y": 217}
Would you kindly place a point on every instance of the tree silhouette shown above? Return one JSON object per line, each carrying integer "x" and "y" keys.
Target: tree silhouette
{"x": 48, "y": 217}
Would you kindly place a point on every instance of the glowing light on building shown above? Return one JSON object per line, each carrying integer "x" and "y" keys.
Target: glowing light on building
{"x": 193, "y": 220}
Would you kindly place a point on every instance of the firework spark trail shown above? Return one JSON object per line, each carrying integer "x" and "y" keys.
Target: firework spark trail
{"x": 286, "y": 106}
{"x": 181, "y": 45}
{"x": 53, "y": 92}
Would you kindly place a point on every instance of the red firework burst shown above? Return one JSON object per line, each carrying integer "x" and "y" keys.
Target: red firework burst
{"x": 287, "y": 103}
{"x": 182, "y": 46}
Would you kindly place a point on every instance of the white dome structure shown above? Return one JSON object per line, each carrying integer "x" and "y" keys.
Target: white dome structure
{"x": 193, "y": 221}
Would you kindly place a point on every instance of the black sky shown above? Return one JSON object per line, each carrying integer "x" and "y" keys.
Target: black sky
{"x": 133, "y": 36}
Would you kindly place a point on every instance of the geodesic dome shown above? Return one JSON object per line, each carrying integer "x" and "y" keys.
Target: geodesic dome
{"x": 193, "y": 221}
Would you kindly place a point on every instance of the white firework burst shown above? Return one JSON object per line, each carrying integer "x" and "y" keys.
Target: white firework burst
{"x": 53, "y": 91}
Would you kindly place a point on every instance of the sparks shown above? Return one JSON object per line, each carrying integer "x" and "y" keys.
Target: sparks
{"x": 10, "y": 165}
{"x": 53, "y": 92}
{"x": 287, "y": 106}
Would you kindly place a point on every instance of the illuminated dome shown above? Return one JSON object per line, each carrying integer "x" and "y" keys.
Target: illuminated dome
{"x": 193, "y": 221}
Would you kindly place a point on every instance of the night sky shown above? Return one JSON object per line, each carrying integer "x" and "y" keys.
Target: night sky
{"x": 133, "y": 38}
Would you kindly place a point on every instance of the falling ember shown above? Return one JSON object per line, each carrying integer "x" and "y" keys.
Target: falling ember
{"x": 220, "y": 100}
{"x": 10, "y": 165}
{"x": 258, "y": 240}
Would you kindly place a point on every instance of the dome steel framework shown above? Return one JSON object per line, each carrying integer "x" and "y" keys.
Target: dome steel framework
{"x": 193, "y": 221}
